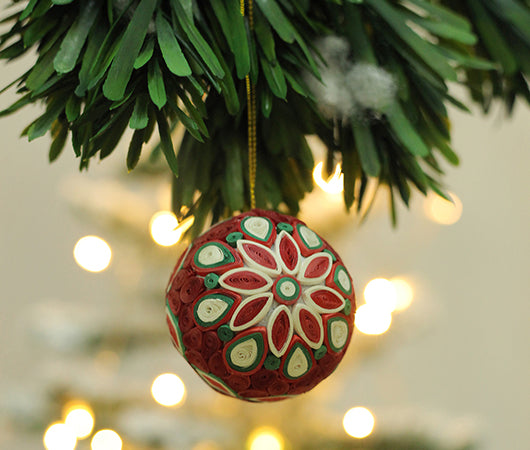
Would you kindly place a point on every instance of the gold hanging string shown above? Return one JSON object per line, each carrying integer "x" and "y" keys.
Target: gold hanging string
{"x": 252, "y": 116}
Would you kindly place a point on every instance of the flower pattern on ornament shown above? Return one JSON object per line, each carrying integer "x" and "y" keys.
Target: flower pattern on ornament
{"x": 283, "y": 292}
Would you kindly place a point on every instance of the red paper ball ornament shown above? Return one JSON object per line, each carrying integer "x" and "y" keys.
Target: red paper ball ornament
{"x": 261, "y": 307}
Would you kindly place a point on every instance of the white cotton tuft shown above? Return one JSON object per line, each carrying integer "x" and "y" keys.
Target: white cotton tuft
{"x": 371, "y": 87}
{"x": 347, "y": 89}
{"x": 331, "y": 93}
{"x": 336, "y": 52}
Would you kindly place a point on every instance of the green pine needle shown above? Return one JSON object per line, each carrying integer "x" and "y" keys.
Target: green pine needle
{"x": 157, "y": 64}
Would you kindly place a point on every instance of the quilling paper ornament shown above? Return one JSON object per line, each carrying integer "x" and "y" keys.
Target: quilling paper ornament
{"x": 261, "y": 307}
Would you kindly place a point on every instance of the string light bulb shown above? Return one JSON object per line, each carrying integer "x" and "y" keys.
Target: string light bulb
{"x": 404, "y": 293}
{"x": 92, "y": 254}
{"x": 442, "y": 211}
{"x": 358, "y": 422}
{"x": 165, "y": 228}
{"x": 106, "y": 440}
{"x": 381, "y": 293}
{"x": 334, "y": 184}
{"x": 58, "y": 436}
{"x": 168, "y": 389}
{"x": 370, "y": 319}
{"x": 265, "y": 438}
{"x": 80, "y": 419}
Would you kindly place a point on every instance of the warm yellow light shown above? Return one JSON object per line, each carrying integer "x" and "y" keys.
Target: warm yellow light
{"x": 358, "y": 422}
{"x": 59, "y": 437}
{"x": 404, "y": 293}
{"x": 265, "y": 439}
{"x": 165, "y": 228}
{"x": 334, "y": 184}
{"x": 442, "y": 211}
{"x": 370, "y": 319}
{"x": 92, "y": 253}
{"x": 80, "y": 419}
{"x": 106, "y": 440}
{"x": 381, "y": 293}
{"x": 168, "y": 389}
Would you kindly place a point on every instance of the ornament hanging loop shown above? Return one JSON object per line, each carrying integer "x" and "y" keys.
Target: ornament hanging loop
{"x": 252, "y": 115}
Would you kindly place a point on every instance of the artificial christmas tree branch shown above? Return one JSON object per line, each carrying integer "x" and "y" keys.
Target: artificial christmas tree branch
{"x": 104, "y": 67}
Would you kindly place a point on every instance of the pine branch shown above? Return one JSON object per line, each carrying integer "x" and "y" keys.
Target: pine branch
{"x": 103, "y": 68}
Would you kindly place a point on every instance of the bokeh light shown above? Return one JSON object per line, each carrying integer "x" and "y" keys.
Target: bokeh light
{"x": 370, "y": 319}
{"x": 106, "y": 440}
{"x": 441, "y": 211}
{"x": 404, "y": 293}
{"x": 381, "y": 293}
{"x": 265, "y": 439}
{"x": 334, "y": 184}
{"x": 92, "y": 254}
{"x": 165, "y": 228}
{"x": 80, "y": 419}
{"x": 358, "y": 422}
{"x": 168, "y": 389}
{"x": 59, "y": 437}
